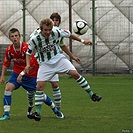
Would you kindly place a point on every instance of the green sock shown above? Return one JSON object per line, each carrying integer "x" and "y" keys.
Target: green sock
{"x": 38, "y": 109}
{"x": 30, "y": 97}
{"x": 84, "y": 84}
{"x": 39, "y": 99}
{"x": 89, "y": 91}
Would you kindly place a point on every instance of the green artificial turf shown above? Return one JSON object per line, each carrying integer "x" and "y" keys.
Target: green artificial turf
{"x": 113, "y": 114}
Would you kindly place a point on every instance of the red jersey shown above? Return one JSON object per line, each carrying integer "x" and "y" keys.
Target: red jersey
{"x": 19, "y": 59}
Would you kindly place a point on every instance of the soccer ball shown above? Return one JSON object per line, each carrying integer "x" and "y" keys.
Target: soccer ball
{"x": 80, "y": 27}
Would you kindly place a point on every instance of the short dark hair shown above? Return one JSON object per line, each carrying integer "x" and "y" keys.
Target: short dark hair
{"x": 14, "y": 30}
{"x": 55, "y": 15}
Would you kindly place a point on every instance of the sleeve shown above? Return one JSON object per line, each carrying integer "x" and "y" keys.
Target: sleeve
{"x": 7, "y": 59}
{"x": 36, "y": 31}
{"x": 33, "y": 61}
{"x": 61, "y": 32}
{"x": 64, "y": 33}
{"x": 31, "y": 46}
{"x": 62, "y": 42}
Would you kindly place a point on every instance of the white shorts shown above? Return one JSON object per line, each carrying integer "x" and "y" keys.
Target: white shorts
{"x": 47, "y": 71}
{"x": 55, "y": 78}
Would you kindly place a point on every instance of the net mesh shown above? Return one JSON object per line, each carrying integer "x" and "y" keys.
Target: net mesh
{"x": 113, "y": 28}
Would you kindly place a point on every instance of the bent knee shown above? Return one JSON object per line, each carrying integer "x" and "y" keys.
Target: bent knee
{"x": 54, "y": 84}
{"x": 74, "y": 74}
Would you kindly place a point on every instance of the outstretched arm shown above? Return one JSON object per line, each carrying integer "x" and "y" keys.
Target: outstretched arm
{"x": 86, "y": 42}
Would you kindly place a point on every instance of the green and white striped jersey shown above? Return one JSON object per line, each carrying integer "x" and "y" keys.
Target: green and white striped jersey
{"x": 47, "y": 48}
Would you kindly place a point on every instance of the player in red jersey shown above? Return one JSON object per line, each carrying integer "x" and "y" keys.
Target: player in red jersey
{"x": 17, "y": 53}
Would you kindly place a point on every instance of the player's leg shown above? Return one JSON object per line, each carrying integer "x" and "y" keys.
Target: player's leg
{"x": 44, "y": 74}
{"x": 84, "y": 84}
{"x": 41, "y": 97}
{"x": 29, "y": 84}
{"x": 56, "y": 94}
{"x": 7, "y": 100}
{"x": 30, "y": 97}
{"x": 56, "y": 91}
{"x": 50, "y": 103}
{"x": 64, "y": 65}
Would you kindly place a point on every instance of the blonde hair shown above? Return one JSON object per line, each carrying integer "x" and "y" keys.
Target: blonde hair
{"x": 46, "y": 21}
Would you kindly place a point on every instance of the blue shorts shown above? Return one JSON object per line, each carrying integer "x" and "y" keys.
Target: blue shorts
{"x": 27, "y": 83}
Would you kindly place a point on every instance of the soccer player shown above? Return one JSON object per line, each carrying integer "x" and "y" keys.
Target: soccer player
{"x": 54, "y": 81}
{"x": 16, "y": 52}
{"x": 57, "y": 20}
{"x": 52, "y": 61}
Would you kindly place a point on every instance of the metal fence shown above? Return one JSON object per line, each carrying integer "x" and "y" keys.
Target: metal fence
{"x": 2, "y": 53}
{"x": 113, "y": 29}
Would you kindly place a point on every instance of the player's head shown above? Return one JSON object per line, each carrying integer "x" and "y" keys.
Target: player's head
{"x": 46, "y": 25}
{"x": 14, "y": 35}
{"x": 56, "y": 19}
{"x": 13, "y": 30}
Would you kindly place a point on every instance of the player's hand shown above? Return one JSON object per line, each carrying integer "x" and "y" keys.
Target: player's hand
{"x": 2, "y": 80}
{"x": 19, "y": 78}
{"x": 76, "y": 59}
{"x": 87, "y": 42}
